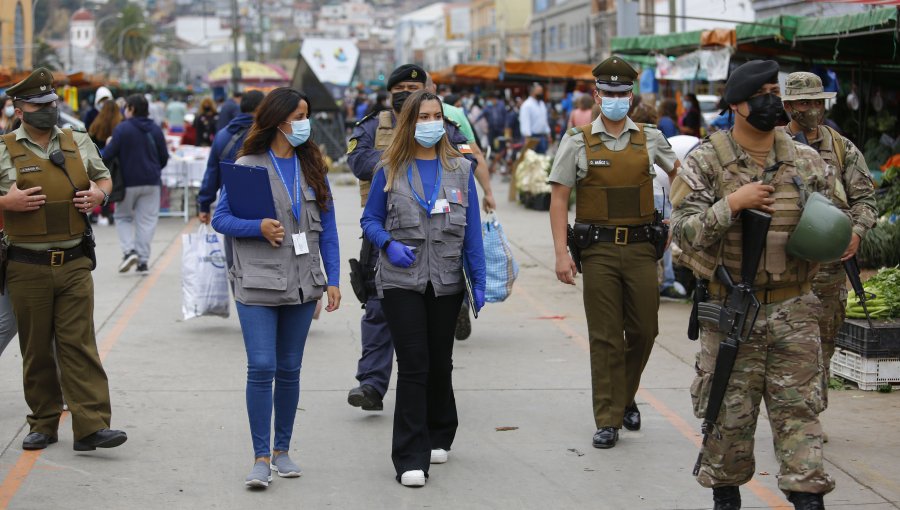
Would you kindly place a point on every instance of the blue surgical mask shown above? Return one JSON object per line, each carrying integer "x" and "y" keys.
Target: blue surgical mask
{"x": 615, "y": 108}
{"x": 428, "y": 133}
{"x": 9, "y": 111}
{"x": 299, "y": 132}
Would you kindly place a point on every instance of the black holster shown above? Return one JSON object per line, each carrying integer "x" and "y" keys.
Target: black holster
{"x": 578, "y": 237}
{"x": 659, "y": 235}
{"x": 701, "y": 294}
{"x": 360, "y": 272}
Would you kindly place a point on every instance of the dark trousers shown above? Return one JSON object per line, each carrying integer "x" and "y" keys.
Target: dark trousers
{"x": 59, "y": 302}
{"x": 425, "y": 413}
{"x": 377, "y": 360}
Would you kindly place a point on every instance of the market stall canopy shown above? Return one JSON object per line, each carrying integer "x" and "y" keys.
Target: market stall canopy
{"x": 513, "y": 70}
{"x": 251, "y": 72}
{"x": 552, "y": 70}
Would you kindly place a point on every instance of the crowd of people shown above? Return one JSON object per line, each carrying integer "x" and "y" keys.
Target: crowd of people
{"x": 416, "y": 153}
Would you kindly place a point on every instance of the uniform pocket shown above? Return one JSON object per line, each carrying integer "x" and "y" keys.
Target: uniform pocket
{"x": 776, "y": 252}
{"x": 264, "y": 275}
{"x": 700, "y": 392}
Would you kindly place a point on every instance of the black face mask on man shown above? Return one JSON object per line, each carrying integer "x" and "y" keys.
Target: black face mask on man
{"x": 765, "y": 111}
{"x": 398, "y": 98}
{"x": 44, "y": 118}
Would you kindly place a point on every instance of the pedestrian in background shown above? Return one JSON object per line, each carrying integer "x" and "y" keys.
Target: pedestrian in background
{"x": 175, "y": 112}
{"x": 140, "y": 147}
{"x": 534, "y": 121}
{"x": 7, "y": 115}
{"x": 668, "y": 119}
{"x": 276, "y": 274}
{"x": 229, "y": 110}
{"x": 205, "y": 122}
{"x": 581, "y": 115}
{"x": 423, "y": 215}
{"x": 691, "y": 121}
{"x": 101, "y": 131}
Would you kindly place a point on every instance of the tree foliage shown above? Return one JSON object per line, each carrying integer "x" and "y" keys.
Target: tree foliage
{"x": 127, "y": 38}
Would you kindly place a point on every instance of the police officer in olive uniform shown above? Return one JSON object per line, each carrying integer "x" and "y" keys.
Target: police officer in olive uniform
{"x": 370, "y": 138}
{"x": 755, "y": 166}
{"x": 48, "y": 271}
{"x": 610, "y": 162}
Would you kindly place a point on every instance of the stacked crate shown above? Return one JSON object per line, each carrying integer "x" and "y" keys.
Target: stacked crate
{"x": 870, "y": 357}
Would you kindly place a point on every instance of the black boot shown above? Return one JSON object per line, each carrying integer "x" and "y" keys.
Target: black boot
{"x": 807, "y": 501}
{"x": 726, "y": 498}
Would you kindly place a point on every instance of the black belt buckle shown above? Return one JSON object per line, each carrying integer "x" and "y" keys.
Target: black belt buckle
{"x": 57, "y": 257}
{"x": 621, "y": 236}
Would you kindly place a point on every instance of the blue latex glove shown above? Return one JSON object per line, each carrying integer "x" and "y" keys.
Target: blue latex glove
{"x": 479, "y": 299}
{"x": 400, "y": 255}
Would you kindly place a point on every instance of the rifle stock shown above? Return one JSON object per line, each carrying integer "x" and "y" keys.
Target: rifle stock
{"x": 735, "y": 317}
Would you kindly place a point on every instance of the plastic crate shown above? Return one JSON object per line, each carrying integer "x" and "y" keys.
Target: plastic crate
{"x": 867, "y": 373}
{"x": 882, "y": 341}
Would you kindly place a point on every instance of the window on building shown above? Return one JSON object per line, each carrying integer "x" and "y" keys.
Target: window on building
{"x": 19, "y": 36}
{"x": 551, "y": 44}
{"x": 562, "y": 36}
{"x": 536, "y": 43}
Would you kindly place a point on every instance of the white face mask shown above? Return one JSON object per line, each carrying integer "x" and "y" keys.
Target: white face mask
{"x": 9, "y": 111}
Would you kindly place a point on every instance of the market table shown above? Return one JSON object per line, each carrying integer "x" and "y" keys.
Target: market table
{"x": 181, "y": 179}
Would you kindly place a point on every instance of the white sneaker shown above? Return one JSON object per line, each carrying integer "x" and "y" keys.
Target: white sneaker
{"x": 103, "y": 221}
{"x": 438, "y": 456}
{"x": 414, "y": 478}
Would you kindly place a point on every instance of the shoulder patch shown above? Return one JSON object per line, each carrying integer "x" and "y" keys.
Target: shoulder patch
{"x": 464, "y": 148}
{"x": 351, "y": 145}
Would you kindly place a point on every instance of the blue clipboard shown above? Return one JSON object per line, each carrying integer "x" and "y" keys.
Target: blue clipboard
{"x": 249, "y": 191}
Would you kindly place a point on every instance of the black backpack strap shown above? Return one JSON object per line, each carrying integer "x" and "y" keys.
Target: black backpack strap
{"x": 235, "y": 138}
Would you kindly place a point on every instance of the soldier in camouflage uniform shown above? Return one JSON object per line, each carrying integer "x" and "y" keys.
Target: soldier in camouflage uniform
{"x": 804, "y": 99}
{"x": 753, "y": 167}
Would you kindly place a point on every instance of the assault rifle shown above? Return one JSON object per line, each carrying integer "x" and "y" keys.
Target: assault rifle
{"x": 851, "y": 266}
{"x": 736, "y": 316}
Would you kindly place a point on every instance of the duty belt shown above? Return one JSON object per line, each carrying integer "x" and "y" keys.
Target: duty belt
{"x": 766, "y": 296}
{"x": 45, "y": 258}
{"x": 620, "y": 235}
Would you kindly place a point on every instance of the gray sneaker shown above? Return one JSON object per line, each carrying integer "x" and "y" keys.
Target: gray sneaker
{"x": 284, "y": 466}
{"x": 259, "y": 476}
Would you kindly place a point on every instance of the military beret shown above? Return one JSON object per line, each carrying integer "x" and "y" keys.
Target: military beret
{"x": 748, "y": 78}
{"x": 615, "y": 75}
{"x": 36, "y": 88}
{"x": 406, "y": 72}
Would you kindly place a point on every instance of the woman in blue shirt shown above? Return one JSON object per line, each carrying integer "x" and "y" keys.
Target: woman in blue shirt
{"x": 276, "y": 273}
{"x": 422, "y": 212}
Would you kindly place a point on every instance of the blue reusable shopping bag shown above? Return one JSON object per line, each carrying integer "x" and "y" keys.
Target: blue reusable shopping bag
{"x": 502, "y": 269}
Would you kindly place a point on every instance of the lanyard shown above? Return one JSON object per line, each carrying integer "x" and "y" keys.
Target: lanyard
{"x": 434, "y": 194}
{"x": 294, "y": 204}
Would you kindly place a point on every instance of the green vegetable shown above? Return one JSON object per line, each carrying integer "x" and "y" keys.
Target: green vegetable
{"x": 885, "y": 285}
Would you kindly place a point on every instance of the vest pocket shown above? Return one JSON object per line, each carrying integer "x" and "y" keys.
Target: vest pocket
{"x": 313, "y": 216}
{"x": 265, "y": 275}
{"x": 32, "y": 223}
{"x": 776, "y": 252}
{"x": 592, "y": 203}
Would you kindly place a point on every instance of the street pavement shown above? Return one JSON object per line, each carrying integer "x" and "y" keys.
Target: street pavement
{"x": 522, "y": 387}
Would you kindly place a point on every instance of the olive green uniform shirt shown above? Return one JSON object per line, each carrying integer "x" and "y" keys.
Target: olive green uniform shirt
{"x": 570, "y": 163}
{"x": 93, "y": 164}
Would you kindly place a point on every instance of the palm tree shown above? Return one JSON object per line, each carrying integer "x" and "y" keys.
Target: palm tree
{"x": 129, "y": 38}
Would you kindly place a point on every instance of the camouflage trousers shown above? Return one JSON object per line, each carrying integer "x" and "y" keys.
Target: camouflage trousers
{"x": 834, "y": 305}
{"x": 781, "y": 363}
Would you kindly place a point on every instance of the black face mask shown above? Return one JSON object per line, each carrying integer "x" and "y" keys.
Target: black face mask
{"x": 398, "y": 98}
{"x": 42, "y": 119}
{"x": 765, "y": 112}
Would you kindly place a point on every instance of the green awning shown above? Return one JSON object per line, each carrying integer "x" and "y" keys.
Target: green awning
{"x": 781, "y": 27}
{"x": 865, "y": 21}
{"x": 665, "y": 43}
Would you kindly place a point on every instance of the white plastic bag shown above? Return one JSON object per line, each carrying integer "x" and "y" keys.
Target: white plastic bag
{"x": 204, "y": 277}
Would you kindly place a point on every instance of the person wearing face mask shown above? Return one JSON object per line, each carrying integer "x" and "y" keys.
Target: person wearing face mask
{"x": 804, "y": 100}
{"x": 48, "y": 271}
{"x": 370, "y": 138}
{"x": 423, "y": 216}
{"x": 8, "y": 115}
{"x": 610, "y": 162}
{"x": 755, "y": 166}
{"x": 141, "y": 148}
{"x": 276, "y": 271}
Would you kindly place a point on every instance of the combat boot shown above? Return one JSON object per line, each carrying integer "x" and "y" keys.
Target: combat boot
{"x": 726, "y": 498}
{"x": 807, "y": 501}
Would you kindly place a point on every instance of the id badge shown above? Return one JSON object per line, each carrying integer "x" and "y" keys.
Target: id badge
{"x": 300, "y": 246}
{"x": 441, "y": 206}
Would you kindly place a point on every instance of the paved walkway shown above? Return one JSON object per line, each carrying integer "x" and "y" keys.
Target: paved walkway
{"x": 178, "y": 390}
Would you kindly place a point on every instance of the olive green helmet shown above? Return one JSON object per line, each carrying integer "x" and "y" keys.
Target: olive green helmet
{"x": 823, "y": 233}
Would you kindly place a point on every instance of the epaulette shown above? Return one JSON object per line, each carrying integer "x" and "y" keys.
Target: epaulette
{"x": 574, "y": 131}
{"x": 451, "y": 121}
{"x": 651, "y": 126}
{"x": 77, "y": 129}
{"x": 367, "y": 117}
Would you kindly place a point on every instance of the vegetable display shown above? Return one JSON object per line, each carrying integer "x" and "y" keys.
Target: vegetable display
{"x": 885, "y": 285}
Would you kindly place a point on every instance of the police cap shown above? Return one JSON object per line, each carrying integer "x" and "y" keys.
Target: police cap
{"x": 406, "y": 72}
{"x": 747, "y": 79}
{"x": 615, "y": 75}
{"x": 36, "y": 88}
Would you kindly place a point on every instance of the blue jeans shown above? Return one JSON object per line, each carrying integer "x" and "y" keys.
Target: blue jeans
{"x": 274, "y": 337}
{"x": 668, "y": 270}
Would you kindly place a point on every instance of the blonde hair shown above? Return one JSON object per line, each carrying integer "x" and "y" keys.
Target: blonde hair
{"x": 402, "y": 150}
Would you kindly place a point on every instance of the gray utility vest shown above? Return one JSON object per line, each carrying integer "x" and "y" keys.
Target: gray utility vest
{"x": 437, "y": 241}
{"x": 268, "y": 276}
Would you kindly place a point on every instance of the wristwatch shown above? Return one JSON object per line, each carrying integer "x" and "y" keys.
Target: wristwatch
{"x": 105, "y": 198}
